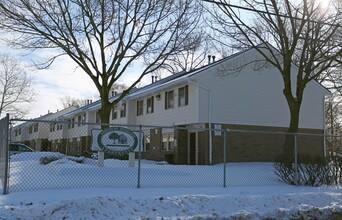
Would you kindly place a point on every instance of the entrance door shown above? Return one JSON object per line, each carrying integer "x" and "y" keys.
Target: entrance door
{"x": 192, "y": 149}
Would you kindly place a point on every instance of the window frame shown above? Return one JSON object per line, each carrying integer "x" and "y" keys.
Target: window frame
{"x": 140, "y": 107}
{"x": 185, "y": 95}
{"x": 79, "y": 119}
{"x": 114, "y": 112}
{"x": 123, "y": 110}
{"x": 150, "y": 104}
{"x": 169, "y": 99}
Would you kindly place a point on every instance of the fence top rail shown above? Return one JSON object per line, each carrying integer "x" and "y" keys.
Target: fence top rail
{"x": 31, "y": 121}
{"x": 281, "y": 132}
{"x": 170, "y": 127}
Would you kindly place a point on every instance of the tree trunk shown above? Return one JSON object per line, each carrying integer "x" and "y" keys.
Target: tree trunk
{"x": 106, "y": 107}
{"x": 294, "y": 108}
{"x": 288, "y": 154}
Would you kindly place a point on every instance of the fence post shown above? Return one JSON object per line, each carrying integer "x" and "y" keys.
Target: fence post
{"x": 139, "y": 155}
{"x": 4, "y": 160}
{"x": 296, "y": 158}
{"x": 225, "y": 131}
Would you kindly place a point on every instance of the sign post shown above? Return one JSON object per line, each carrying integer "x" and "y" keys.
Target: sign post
{"x": 131, "y": 158}
{"x": 100, "y": 158}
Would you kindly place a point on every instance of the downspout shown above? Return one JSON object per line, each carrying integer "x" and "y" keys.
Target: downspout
{"x": 209, "y": 119}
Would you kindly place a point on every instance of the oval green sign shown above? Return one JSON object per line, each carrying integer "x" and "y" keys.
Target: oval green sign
{"x": 117, "y": 141}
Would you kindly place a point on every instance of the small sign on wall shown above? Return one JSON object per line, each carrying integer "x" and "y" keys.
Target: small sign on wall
{"x": 217, "y": 129}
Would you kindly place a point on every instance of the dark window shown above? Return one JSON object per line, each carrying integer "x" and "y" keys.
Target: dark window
{"x": 35, "y": 128}
{"x": 14, "y": 147}
{"x": 168, "y": 142}
{"x": 52, "y": 127}
{"x": 71, "y": 123}
{"x": 84, "y": 118}
{"x": 59, "y": 127}
{"x": 79, "y": 119}
{"x": 150, "y": 105}
{"x": 114, "y": 112}
{"x": 140, "y": 107}
{"x": 183, "y": 96}
{"x": 123, "y": 110}
{"x": 147, "y": 143}
{"x": 169, "y": 100}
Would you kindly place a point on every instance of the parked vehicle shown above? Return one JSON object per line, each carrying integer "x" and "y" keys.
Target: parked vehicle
{"x": 16, "y": 148}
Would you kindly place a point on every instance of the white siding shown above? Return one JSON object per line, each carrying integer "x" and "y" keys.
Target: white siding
{"x": 255, "y": 97}
{"x": 119, "y": 120}
{"x": 161, "y": 116}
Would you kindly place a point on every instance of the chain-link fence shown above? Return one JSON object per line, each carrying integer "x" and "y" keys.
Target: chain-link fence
{"x": 69, "y": 155}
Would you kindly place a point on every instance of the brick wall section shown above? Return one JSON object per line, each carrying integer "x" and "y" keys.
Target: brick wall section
{"x": 241, "y": 147}
{"x": 260, "y": 147}
{"x": 156, "y": 153}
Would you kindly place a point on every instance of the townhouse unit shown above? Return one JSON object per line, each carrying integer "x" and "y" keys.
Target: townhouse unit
{"x": 36, "y": 133}
{"x": 238, "y": 92}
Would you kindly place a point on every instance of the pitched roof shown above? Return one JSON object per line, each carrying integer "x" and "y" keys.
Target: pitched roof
{"x": 169, "y": 81}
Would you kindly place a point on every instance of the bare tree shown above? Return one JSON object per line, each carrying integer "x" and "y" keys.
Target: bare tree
{"x": 333, "y": 111}
{"x": 194, "y": 55}
{"x": 196, "y": 47}
{"x": 15, "y": 87}
{"x": 104, "y": 37}
{"x": 68, "y": 101}
{"x": 287, "y": 34}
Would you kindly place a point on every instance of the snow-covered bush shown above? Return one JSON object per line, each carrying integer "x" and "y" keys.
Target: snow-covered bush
{"x": 48, "y": 159}
{"x": 311, "y": 171}
{"x": 76, "y": 159}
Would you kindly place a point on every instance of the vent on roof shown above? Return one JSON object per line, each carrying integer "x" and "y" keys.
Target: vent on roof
{"x": 154, "y": 79}
{"x": 211, "y": 59}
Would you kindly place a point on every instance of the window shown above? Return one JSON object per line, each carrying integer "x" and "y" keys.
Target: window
{"x": 59, "y": 127}
{"x": 79, "y": 119}
{"x": 52, "y": 127}
{"x": 114, "y": 112}
{"x": 149, "y": 106}
{"x": 183, "y": 96}
{"x": 18, "y": 132}
{"x": 71, "y": 123}
{"x": 140, "y": 107}
{"x": 168, "y": 142}
{"x": 169, "y": 103}
{"x": 84, "y": 118}
{"x": 147, "y": 142}
{"x": 30, "y": 130}
{"x": 123, "y": 110}
{"x": 35, "y": 127}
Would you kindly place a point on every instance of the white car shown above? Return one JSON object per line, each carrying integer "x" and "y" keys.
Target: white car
{"x": 16, "y": 148}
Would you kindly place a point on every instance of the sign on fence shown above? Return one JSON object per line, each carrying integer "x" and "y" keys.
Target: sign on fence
{"x": 116, "y": 140}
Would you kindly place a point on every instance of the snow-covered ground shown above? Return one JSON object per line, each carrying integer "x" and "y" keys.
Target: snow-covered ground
{"x": 65, "y": 189}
